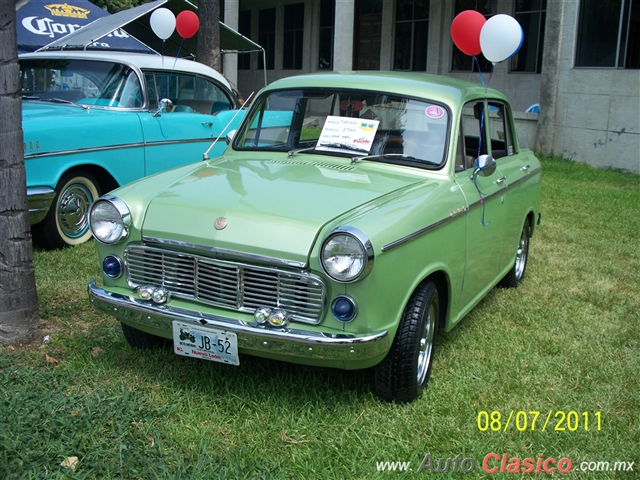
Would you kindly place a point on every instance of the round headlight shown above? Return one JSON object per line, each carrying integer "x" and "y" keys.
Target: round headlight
{"x": 110, "y": 220}
{"x": 346, "y": 255}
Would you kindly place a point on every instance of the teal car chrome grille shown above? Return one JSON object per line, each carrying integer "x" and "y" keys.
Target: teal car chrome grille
{"x": 226, "y": 284}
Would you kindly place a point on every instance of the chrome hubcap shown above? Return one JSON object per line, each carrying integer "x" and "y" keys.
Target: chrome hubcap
{"x": 521, "y": 255}
{"x": 426, "y": 343}
{"x": 73, "y": 210}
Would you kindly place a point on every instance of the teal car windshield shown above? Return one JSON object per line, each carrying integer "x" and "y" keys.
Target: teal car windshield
{"x": 86, "y": 82}
{"x": 360, "y": 124}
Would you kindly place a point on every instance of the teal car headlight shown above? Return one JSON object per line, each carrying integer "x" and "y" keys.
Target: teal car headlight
{"x": 110, "y": 220}
{"x": 346, "y": 255}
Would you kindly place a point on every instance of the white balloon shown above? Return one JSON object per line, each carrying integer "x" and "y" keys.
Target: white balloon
{"x": 163, "y": 22}
{"x": 500, "y": 38}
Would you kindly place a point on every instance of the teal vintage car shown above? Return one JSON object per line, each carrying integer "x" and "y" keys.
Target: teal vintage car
{"x": 95, "y": 120}
{"x": 352, "y": 216}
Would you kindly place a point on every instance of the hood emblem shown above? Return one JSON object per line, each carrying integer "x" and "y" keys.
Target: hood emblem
{"x": 220, "y": 223}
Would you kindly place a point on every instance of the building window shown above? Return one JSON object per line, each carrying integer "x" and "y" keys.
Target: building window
{"x": 367, "y": 34}
{"x": 531, "y": 14}
{"x": 244, "y": 28}
{"x": 460, "y": 61}
{"x": 267, "y": 36}
{"x": 293, "y": 36}
{"x": 609, "y": 34}
{"x": 412, "y": 32}
{"x": 327, "y": 27}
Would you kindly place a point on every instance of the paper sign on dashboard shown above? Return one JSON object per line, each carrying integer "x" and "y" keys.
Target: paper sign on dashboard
{"x": 347, "y": 135}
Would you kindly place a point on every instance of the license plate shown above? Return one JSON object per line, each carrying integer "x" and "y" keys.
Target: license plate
{"x": 205, "y": 342}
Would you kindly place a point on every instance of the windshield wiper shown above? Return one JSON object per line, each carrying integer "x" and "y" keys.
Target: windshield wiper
{"x": 399, "y": 156}
{"x": 301, "y": 150}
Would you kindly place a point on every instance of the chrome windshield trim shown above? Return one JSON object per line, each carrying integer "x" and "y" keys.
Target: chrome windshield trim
{"x": 251, "y": 336}
{"x": 227, "y": 253}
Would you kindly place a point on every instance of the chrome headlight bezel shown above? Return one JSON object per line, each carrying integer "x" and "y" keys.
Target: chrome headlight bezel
{"x": 116, "y": 212}
{"x": 354, "y": 243}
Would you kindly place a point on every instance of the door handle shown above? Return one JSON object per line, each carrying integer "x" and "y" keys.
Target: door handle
{"x": 207, "y": 124}
{"x": 501, "y": 179}
{"x": 525, "y": 168}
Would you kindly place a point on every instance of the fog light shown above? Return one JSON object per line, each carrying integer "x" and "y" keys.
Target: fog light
{"x": 160, "y": 295}
{"x": 261, "y": 314}
{"x": 112, "y": 266}
{"x": 344, "y": 308}
{"x": 278, "y": 318}
{"x": 145, "y": 292}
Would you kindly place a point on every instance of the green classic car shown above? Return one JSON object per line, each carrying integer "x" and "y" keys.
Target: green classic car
{"x": 352, "y": 216}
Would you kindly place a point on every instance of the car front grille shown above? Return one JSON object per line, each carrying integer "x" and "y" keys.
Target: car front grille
{"x": 226, "y": 284}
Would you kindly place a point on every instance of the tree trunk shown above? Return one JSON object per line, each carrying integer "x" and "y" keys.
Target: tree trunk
{"x": 19, "y": 320}
{"x": 208, "y": 46}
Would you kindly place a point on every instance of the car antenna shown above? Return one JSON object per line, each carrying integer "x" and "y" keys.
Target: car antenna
{"x": 205, "y": 155}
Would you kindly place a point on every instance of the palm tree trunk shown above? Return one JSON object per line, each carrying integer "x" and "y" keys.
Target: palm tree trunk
{"x": 19, "y": 320}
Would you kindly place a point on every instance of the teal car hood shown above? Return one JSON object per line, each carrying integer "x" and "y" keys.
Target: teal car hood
{"x": 270, "y": 208}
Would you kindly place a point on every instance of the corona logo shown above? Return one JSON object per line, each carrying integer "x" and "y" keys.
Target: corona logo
{"x": 66, "y": 10}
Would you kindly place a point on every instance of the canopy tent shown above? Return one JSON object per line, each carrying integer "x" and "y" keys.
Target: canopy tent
{"x": 41, "y": 22}
{"x": 90, "y": 27}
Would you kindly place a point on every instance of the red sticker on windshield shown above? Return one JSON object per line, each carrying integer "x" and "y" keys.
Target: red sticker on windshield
{"x": 435, "y": 112}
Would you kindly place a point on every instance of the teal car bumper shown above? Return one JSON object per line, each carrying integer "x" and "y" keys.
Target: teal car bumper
{"x": 39, "y": 200}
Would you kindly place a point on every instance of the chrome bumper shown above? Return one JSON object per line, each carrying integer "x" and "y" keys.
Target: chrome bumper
{"x": 294, "y": 345}
{"x": 39, "y": 201}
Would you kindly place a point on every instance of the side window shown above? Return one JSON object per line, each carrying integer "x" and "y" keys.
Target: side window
{"x": 189, "y": 93}
{"x": 472, "y": 141}
{"x": 500, "y": 130}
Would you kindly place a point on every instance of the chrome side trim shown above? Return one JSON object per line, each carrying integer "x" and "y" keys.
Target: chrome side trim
{"x": 227, "y": 253}
{"x": 424, "y": 230}
{"x": 116, "y": 147}
{"x": 39, "y": 200}
{"x": 290, "y": 342}
{"x": 439, "y": 223}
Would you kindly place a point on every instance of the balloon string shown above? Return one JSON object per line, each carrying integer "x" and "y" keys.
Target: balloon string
{"x": 475, "y": 183}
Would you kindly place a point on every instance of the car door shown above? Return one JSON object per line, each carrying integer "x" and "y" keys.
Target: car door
{"x": 182, "y": 134}
{"x": 515, "y": 168}
{"x": 486, "y": 212}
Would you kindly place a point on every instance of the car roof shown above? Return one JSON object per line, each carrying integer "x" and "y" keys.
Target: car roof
{"x": 436, "y": 87}
{"x": 145, "y": 61}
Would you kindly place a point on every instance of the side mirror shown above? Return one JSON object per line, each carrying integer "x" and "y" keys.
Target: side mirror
{"x": 165, "y": 105}
{"x": 230, "y": 135}
{"x": 485, "y": 166}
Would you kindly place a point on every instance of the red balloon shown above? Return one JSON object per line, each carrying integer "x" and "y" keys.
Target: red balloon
{"x": 465, "y": 31}
{"x": 187, "y": 23}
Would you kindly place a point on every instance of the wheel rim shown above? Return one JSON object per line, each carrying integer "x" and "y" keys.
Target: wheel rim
{"x": 521, "y": 255}
{"x": 73, "y": 210}
{"x": 426, "y": 342}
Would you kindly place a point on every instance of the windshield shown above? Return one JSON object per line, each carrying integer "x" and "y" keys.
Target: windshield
{"x": 85, "y": 82}
{"x": 370, "y": 125}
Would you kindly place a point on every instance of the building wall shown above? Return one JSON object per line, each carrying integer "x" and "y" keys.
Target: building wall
{"x": 589, "y": 115}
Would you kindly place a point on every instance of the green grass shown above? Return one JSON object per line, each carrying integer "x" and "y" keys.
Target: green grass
{"x": 567, "y": 340}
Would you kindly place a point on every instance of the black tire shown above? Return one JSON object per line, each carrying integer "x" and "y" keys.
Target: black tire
{"x": 67, "y": 222}
{"x": 516, "y": 274}
{"x": 403, "y": 374}
{"x": 139, "y": 339}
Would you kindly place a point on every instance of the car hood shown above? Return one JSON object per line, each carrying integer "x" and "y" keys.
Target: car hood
{"x": 273, "y": 208}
